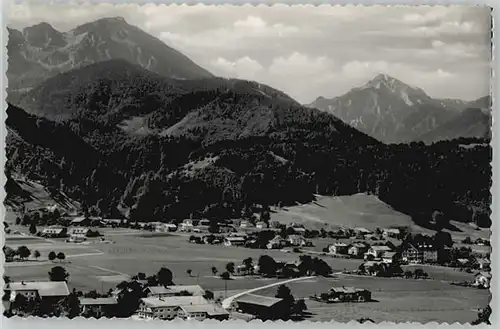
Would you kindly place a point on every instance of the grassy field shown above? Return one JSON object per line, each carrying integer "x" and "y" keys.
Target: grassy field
{"x": 361, "y": 210}
{"x": 102, "y": 266}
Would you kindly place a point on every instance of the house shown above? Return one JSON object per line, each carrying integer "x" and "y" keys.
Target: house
{"x": 98, "y": 307}
{"x": 78, "y": 231}
{"x": 419, "y": 254}
{"x": 276, "y": 243}
{"x": 390, "y": 232}
{"x": 165, "y": 227}
{"x": 377, "y": 251}
{"x": 202, "y": 312}
{"x": 167, "y": 308}
{"x": 171, "y": 291}
{"x": 296, "y": 240}
{"x": 338, "y": 248}
{"x": 187, "y": 225}
{"x": 262, "y": 307}
{"x": 362, "y": 231}
{"x": 234, "y": 241}
{"x": 55, "y": 232}
{"x": 298, "y": 228}
{"x": 246, "y": 224}
{"x": 261, "y": 225}
{"x": 81, "y": 221}
{"x": 482, "y": 280}
{"x": 46, "y": 290}
{"x": 389, "y": 257}
{"x": 357, "y": 249}
{"x": 484, "y": 264}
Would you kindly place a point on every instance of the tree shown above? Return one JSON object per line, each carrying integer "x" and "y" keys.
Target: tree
{"x": 214, "y": 270}
{"x": 267, "y": 265}
{"x": 36, "y": 254}
{"x": 418, "y": 273}
{"x": 18, "y": 220}
{"x": 61, "y": 256}
{"x": 225, "y": 276}
{"x": 165, "y": 277}
{"x": 189, "y": 271}
{"x": 248, "y": 262}
{"x": 9, "y": 253}
{"x": 73, "y": 305}
{"x": 230, "y": 267}
{"x": 299, "y": 307}
{"x": 408, "y": 274}
{"x": 6, "y": 279}
{"x": 52, "y": 256}
{"x": 32, "y": 228}
{"x": 58, "y": 273}
{"x": 483, "y": 316}
{"x": 208, "y": 295}
{"x": 23, "y": 252}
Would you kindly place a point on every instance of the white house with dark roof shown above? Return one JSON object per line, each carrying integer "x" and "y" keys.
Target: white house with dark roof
{"x": 166, "y": 308}
{"x": 33, "y": 289}
{"x": 338, "y": 248}
{"x": 98, "y": 306}
{"x": 377, "y": 251}
{"x": 234, "y": 241}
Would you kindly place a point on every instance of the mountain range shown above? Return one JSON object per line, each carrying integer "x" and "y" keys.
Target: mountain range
{"x": 40, "y": 51}
{"x": 169, "y": 141}
{"x": 394, "y": 112}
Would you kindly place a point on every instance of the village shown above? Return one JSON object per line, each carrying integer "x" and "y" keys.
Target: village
{"x": 287, "y": 256}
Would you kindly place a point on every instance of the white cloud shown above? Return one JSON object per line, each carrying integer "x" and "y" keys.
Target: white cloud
{"x": 242, "y": 68}
{"x": 306, "y": 50}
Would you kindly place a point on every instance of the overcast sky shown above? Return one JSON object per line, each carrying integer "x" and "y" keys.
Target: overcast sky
{"x": 309, "y": 51}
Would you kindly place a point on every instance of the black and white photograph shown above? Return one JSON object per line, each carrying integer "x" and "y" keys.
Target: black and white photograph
{"x": 239, "y": 162}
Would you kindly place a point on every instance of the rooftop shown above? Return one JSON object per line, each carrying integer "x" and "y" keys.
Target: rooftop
{"x": 44, "y": 289}
{"x": 174, "y": 301}
{"x": 98, "y": 301}
{"x": 258, "y": 300}
{"x": 381, "y": 248}
{"x": 211, "y": 309}
{"x": 347, "y": 290}
{"x": 196, "y": 290}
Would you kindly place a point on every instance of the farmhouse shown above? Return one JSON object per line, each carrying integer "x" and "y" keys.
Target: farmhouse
{"x": 357, "y": 249}
{"x": 165, "y": 227}
{"x": 484, "y": 264}
{"x": 362, "y": 231}
{"x": 338, "y": 248}
{"x": 296, "y": 240}
{"x": 483, "y": 280}
{"x": 98, "y": 306}
{"x": 350, "y": 294}
{"x": 377, "y": 251}
{"x": 234, "y": 241}
{"x": 55, "y": 232}
{"x": 246, "y": 224}
{"x": 78, "y": 231}
{"x": 389, "y": 257}
{"x": 167, "y": 308}
{"x": 390, "y": 232}
{"x": 261, "y": 225}
{"x": 262, "y": 307}
{"x": 276, "y": 243}
{"x": 419, "y": 254}
{"x": 187, "y": 225}
{"x": 203, "y": 311}
{"x": 50, "y": 291}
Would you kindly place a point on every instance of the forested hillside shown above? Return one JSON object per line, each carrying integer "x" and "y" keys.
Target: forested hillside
{"x": 127, "y": 142}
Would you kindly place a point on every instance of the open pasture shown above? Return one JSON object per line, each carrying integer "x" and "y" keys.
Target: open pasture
{"x": 394, "y": 300}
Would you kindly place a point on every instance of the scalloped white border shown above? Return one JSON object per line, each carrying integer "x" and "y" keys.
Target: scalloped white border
{"x": 63, "y": 323}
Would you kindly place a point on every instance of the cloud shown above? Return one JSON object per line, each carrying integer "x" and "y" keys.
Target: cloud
{"x": 308, "y": 51}
{"x": 242, "y": 68}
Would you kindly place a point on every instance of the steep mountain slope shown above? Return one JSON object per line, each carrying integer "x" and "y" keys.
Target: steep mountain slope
{"x": 154, "y": 148}
{"x": 390, "y": 110}
{"x": 472, "y": 122}
{"x": 123, "y": 96}
{"x": 40, "y": 51}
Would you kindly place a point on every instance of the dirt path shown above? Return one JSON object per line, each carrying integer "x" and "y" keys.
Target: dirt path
{"x": 227, "y": 302}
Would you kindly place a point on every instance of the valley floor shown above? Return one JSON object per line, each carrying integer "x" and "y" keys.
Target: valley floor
{"x": 102, "y": 266}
